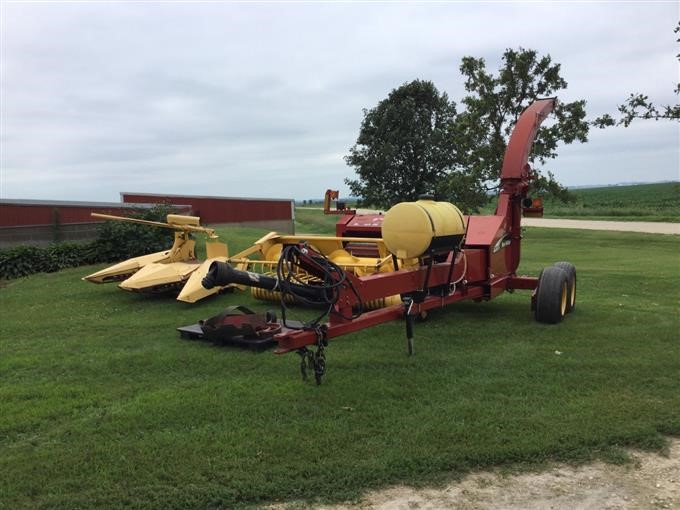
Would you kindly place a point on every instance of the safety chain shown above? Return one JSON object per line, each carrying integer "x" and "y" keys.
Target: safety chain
{"x": 315, "y": 361}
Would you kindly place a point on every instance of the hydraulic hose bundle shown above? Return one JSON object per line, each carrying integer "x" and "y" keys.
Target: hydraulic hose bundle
{"x": 332, "y": 279}
{"x": 295, "y": 264}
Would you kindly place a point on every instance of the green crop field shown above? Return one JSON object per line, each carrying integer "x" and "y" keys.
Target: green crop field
{"x": 640, "y": 202}
{"x": 102, "y": 405}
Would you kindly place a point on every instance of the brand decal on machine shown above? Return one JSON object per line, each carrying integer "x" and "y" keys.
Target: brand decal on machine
{"x": 502, "y": 243}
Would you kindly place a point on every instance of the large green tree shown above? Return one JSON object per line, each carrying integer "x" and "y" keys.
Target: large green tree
{"x": 405, "y": 145}
{"x": 492, "y": 107}
{"x": 393, "y": 154}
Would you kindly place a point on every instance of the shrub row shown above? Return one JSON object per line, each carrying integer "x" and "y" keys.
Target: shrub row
{"x": 25, "y": 260}
{"x": 116, "y": 240}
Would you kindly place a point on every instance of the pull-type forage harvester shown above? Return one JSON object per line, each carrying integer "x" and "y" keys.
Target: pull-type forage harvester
{"x": 438, "y": 256}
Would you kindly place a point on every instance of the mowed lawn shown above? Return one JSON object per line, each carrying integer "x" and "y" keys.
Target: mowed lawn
{"x": 102, "y": 405}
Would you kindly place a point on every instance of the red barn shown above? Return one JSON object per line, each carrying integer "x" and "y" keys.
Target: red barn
{"x": 40, "y": 222}
{"x": 44, "y": 221}
{"x": 271, "y": 213}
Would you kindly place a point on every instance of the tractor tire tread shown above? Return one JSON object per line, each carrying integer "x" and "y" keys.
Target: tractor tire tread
{"x": 549, "y": 295}
{"x": 570, "y": 269}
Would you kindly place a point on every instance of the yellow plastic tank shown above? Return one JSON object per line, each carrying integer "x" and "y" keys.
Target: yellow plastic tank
{"x": 411, "y": 229}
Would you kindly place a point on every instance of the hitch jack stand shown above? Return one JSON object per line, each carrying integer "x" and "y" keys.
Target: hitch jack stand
{"x": 408, "y": 304}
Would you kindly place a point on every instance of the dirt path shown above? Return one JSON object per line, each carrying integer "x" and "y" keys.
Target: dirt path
{"x": 651, "y": 227}
{"x": 651, "y": 481}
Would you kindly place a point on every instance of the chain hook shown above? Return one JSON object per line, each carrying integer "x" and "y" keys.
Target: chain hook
{"x": 409, "y": 302}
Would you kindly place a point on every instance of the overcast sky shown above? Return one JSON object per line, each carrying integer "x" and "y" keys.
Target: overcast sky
{"x": 265, "y": 99}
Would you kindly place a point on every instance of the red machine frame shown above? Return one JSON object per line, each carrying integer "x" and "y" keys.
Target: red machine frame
{"x": 483, "y": 269}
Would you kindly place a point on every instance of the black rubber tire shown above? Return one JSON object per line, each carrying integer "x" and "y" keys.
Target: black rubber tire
{"x": 551, "y": 295}
{"x": 569, "y": 268}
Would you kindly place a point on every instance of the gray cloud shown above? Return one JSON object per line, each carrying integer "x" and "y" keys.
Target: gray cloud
{"x": 266, "y": 99}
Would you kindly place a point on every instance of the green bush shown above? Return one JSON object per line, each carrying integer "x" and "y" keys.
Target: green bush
{"x": 25, "y": 260}
{"x": 119, "y": 240}
{"x": 116, "y": 240}
{"x": 19, "y": 261}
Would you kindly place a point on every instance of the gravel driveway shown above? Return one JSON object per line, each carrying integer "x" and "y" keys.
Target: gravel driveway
{"x": 650, "y": 227}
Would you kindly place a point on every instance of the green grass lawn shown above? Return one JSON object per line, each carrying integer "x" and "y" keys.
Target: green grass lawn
{"x": 640, "y": 202}
{"x": 312, "y": 221}
{"x": 102, "y": 405}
